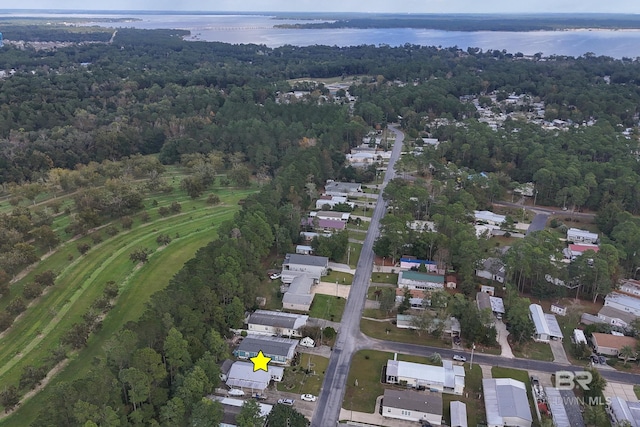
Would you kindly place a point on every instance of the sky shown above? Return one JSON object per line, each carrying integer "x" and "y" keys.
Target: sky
{"x": 381, "y": 6}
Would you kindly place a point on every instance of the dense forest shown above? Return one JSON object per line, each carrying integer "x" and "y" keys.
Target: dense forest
{"x": 213, "y": 106}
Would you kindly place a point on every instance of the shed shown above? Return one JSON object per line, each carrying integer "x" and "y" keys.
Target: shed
{"x": 559, "y": 309}
{"x": 458, "y": 414}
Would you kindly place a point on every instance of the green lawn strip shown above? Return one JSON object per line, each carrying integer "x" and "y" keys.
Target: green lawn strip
{"x": 342, "y": 278}
{"x": 534, "y": 350}
{"x": 636, "y": 390}
{"x": 327, "y": 307}
{"x": 354, "y": 256}
{"x": 269, "y": 289}
{"x": 297, "y": 380}
{"x": 24, "y": 337}
{"x": 155, "y": 275}
{"x": 516, "y": 374}
{"x": 366, "y": 369}
{"x": 387, "y": 331}
{"x": 374, "y": 313}
{"x": 391, "y": 278}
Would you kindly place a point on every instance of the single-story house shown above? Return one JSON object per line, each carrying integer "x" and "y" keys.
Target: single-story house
{"x": 242, "y": 376}
{"x": 557, "y": 408}
{"x": 295, "y": 264}
{"x": 331, "y": 201}
{"x": 412, "y": 406}
{"x": 416, "y": 280}
{"x": 309, "y": 235}
{"x": 623, "y": 303}
{"x": 325, "y": 225}
{"x": 458, "y": 411}
{"x": 304, "y": 250}
{"x": 630, "y": 286}
{"x": 299, "y": 297}
{"x": 280, "y": 350}
{"x": 448, "y": 378}
{"x": 609, "y": 344}
{"x": 579, "y": 337}
{"x": 416, "y": 300}
{"x": 422, "y": 226}
{"x": 344, "y": 189}
{"x": 489, "y": 217}
{"x": 331, "y": 215}
{"x": 621, "y": 410}
{"x": 276, "y": 323}
{"x": 407, "y": 263}
{"x": 231, "y": 409}
{"x": 451, "y": 325}
{"x": 546, "y": 325}
{"x": 616, "y": 317}
{"x": 559, "y": 309}
{"x": 361, "y": 159}
{"x": 573, "y": 251}
{"x": 486, "y": 301}
{"x": 492, "y": 269}
{"x": 506, "y": 403}
{"x": 590, "y": 319}
{"x": 577, "y": 235}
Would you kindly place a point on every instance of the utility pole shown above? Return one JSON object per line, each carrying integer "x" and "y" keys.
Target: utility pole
{"x": 473, "y": 347}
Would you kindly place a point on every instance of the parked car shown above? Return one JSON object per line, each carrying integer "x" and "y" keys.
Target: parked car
{"x": 308, "y": 397}
{"x": 595, "y": 360}
{"x": 459, "y": 358}
{"x": 602, "y": 360}
{"x": 275, "y": 276}
{"x": 259, "y": 396}
{"x": 288, "y": 402}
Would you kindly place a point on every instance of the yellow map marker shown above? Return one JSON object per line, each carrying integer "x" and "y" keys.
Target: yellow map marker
{"x": 260, "y": 362}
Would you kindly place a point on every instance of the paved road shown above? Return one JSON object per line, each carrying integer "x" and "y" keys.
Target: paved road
{"x": 489, "y": 359}
{"x": 327, "y": 411}
{"x": 538, "y": 223}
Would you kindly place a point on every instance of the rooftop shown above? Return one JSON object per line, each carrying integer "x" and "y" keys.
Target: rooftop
{"x": 268, "y": 345}
{"x": 613, "y": 341}
{"x": 430, "y": 403}
{"x": 445, "y": 374}
{"x": 489, "y": 216}
{"x": 278, "y": 319}
{"x": 242, "y": 375}
{"x": 310, "y": 260}
{"x": 582, "y": 233}
{"x": 505, "y": 397}
{"x": 556, "y": 406}
{"x": 421, "y": 277}
{"x": 458, "y": 414}
{"x": 623, "y": 410}
{"x": 539, "y": 321}
{"x": 622, "y": 299}
{"x": 614, "y": 313}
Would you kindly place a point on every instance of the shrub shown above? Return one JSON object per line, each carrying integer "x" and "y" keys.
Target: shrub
{"x": 17, "y": 306}
{"x": 110, "y": 290}
{"x": 46, "y": 278}
{"x": 163, "y": 211}
{"x": 243, "y": 333}
{"x": 83, "y": 248}
{"x": 126, "y": 222}
{"x": 213, "y": 199}
{"x": 96, "y": 238}
{"x": 6, "y": 319}
{"x": 175, "y": 207}
{"x": 111, "y": 230}
{"x": 144, "y": 216}
{"x": 32, "y": 290}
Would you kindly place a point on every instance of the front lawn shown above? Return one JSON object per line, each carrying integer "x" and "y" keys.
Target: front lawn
{"x": 338, "y": 276}
{"x": 306, "y": 377}
{"x": 534, "y": 350}
{"x": 389, "y": 332}
{"x": 327, "y": 307}
{"x": 391, "y": 278}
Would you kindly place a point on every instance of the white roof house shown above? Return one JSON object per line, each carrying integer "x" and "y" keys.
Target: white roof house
{"x": 623, "y": 303}
{"x": 546, "y": 325}
{"x": 344, "y": 189}
{"x": 458, "y": 414}
{"x": 448, "y": 378}
{"x": 241, "y": 375}
{"x": 331, "y": 201}
{"x": 331, "y": 215}
{"x": 579, "y": 337}
{"x": 295, "y": 265}
{"x": 557, "y": 408}
{"x": 412, "y": 406}
{"x": 506, "y": 403}
{"x": 484, "y": 301}
{"x": 630, "y": 286}
{"x": 577, "y": 235}
{"x": 275, "y": 322}
{"x": 489, "y": 217}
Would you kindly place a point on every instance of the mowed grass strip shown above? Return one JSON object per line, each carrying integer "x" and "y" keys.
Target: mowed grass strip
{"x": 42, "y": 326}
{"x": 141, "y": 284}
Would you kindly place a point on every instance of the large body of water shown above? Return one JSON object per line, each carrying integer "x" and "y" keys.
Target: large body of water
{"x": 259, "y": 29}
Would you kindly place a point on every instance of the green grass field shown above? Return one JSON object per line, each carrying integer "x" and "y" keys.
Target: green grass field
{"x": 534, "y": 350}
{"x": 388, "y": 331}
{"x": 327, "y": 307}
{"x": 339, "y": 276}
{"x": 296, "y": 380}
{"x": 81, "y": 280}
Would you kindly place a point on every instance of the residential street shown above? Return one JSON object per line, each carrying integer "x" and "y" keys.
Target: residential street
{"x": 327, "y": 411}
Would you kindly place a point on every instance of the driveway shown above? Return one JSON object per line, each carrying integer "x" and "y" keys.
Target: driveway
{"x": 538, "y": 223}
{"x": 624, "y": 391}
{"x": 559, "y": 355}
{"x": 501, "y": 329}
{"x": 327, "y": 288}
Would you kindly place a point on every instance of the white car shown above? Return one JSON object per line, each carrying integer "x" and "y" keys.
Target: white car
{"x": 275, "y": 276}
{"x": 459, "y": 358}
{"x": 288, "y": 402}
{"x": 308, "y": 397}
